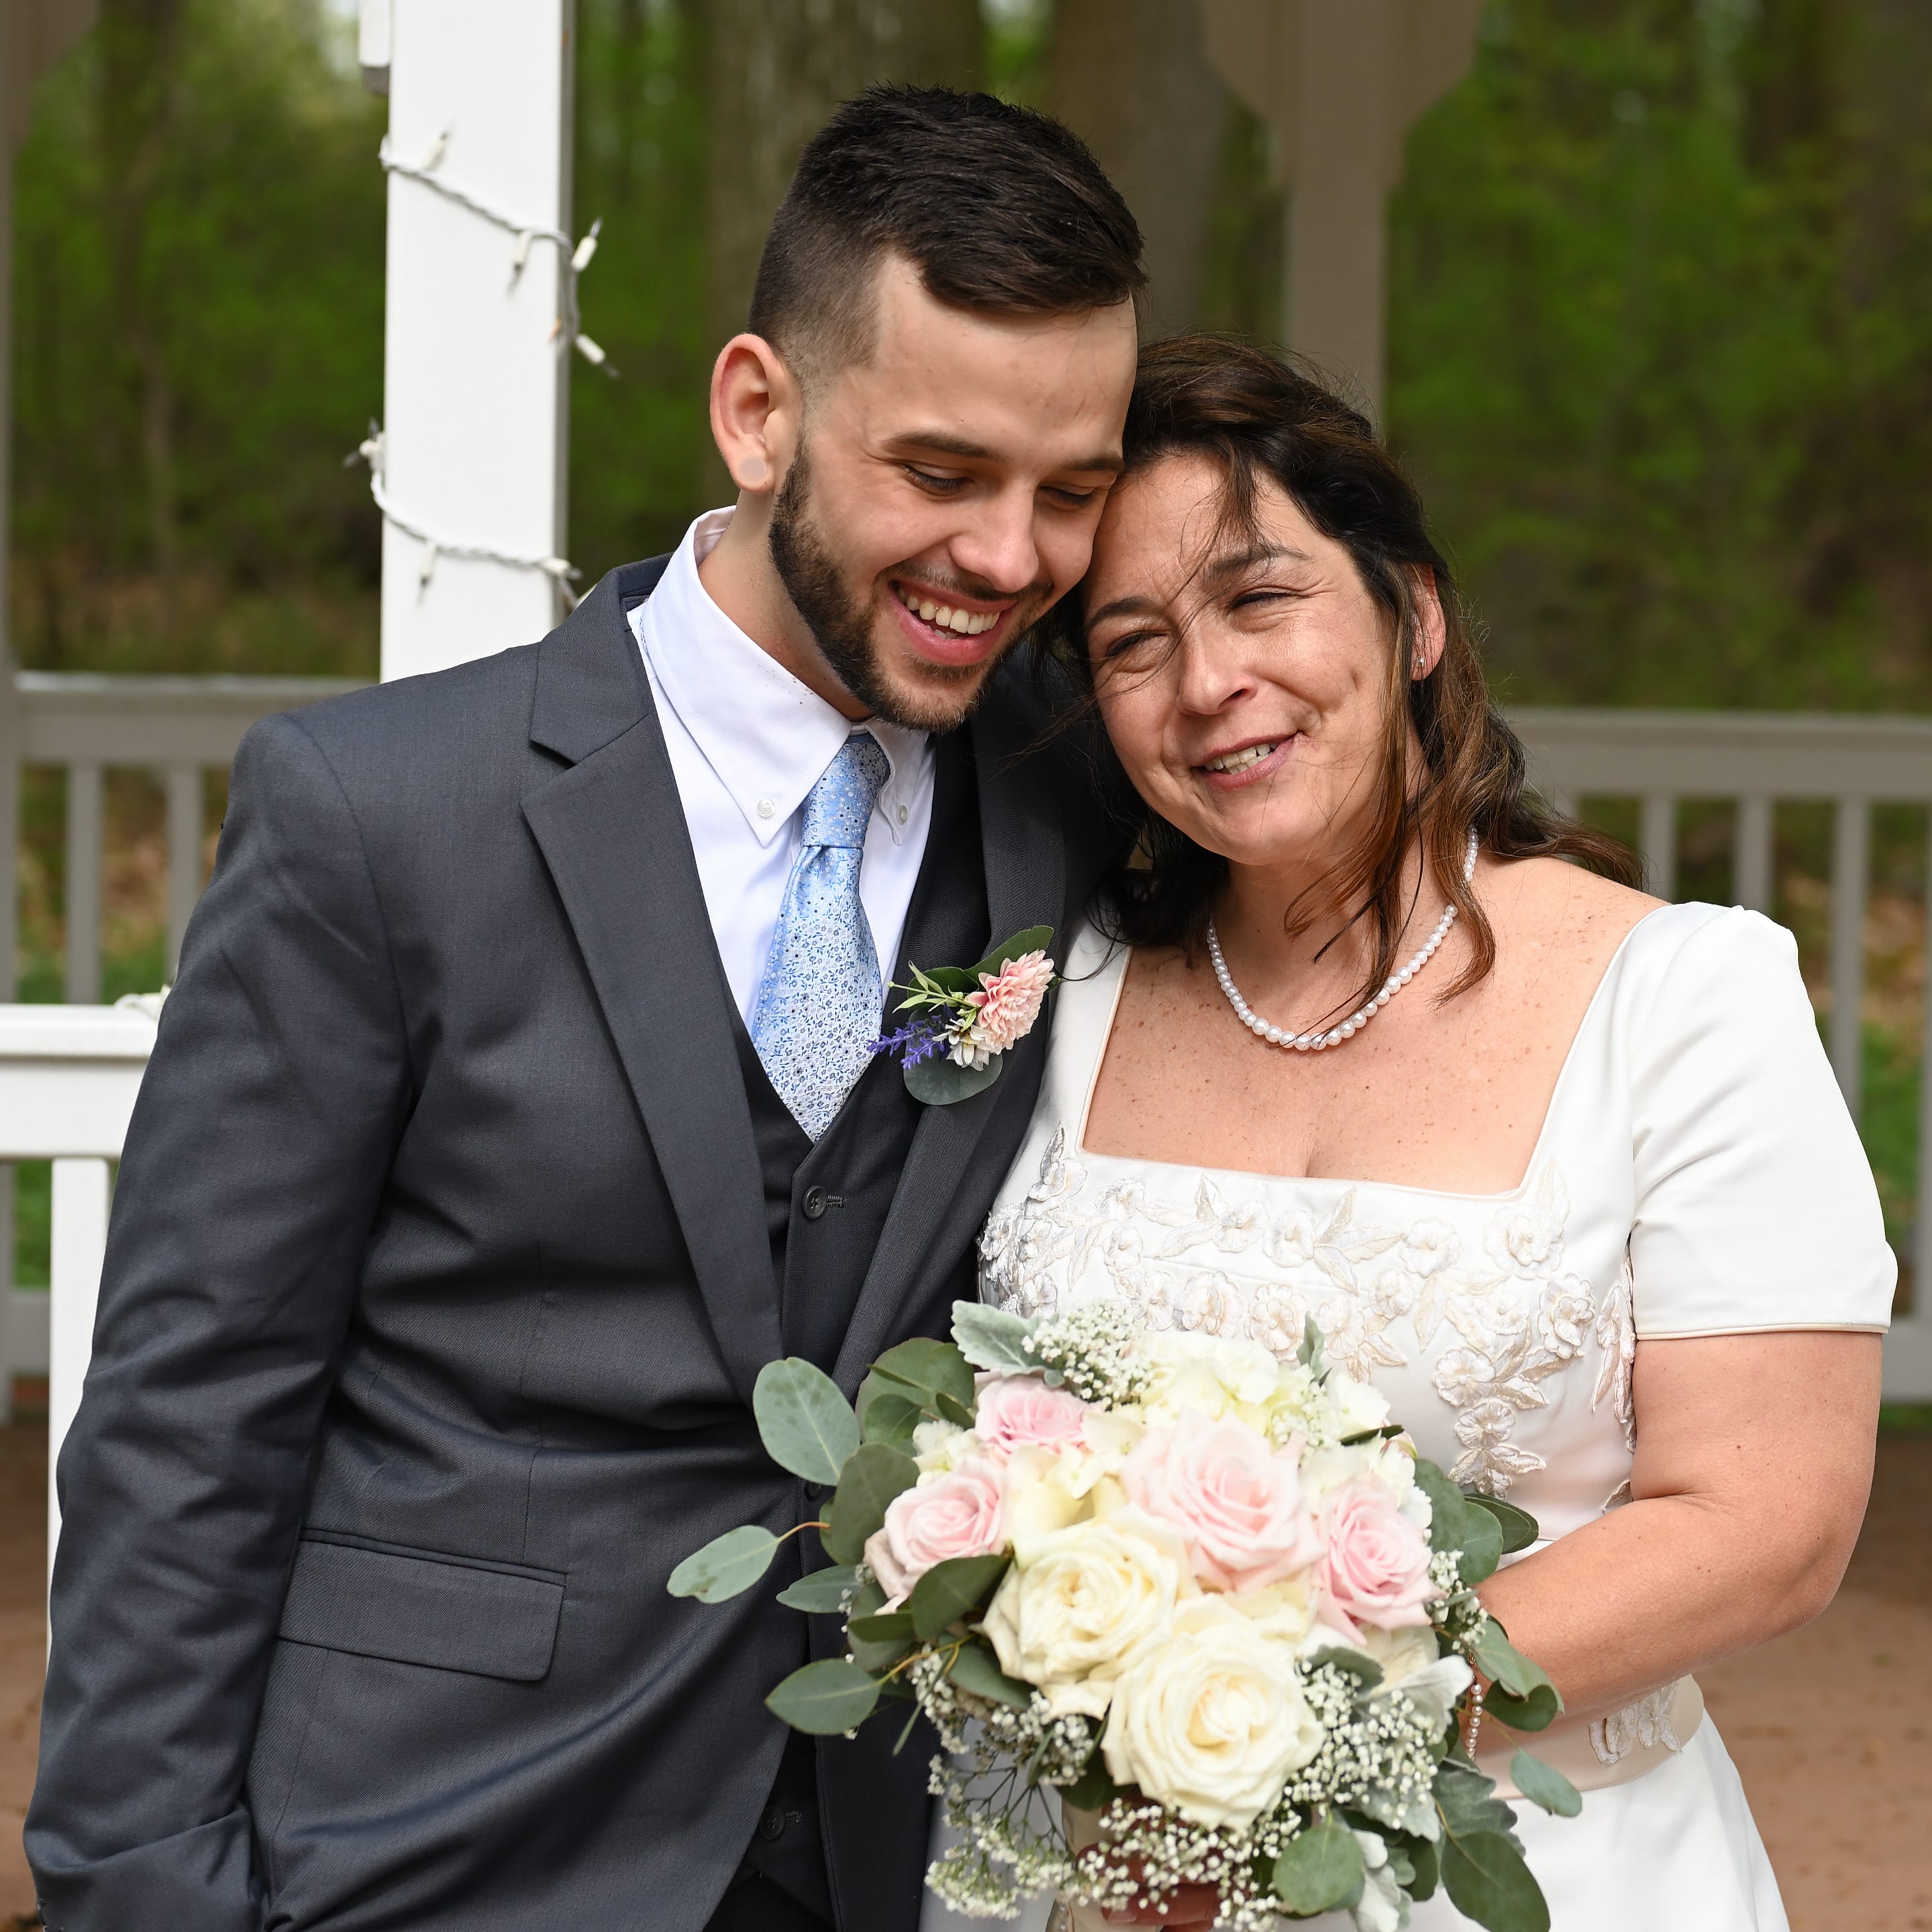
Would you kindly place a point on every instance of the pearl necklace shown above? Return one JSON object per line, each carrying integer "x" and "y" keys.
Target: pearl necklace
{"x": 1317, "y": 1041}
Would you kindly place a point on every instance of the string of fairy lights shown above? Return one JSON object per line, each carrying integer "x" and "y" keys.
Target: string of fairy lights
{"x": 567, "y": 332}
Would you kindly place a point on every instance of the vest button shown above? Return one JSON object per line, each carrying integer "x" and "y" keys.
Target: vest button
{"x": 772, "y": 1824}
{"x": 814, "y": 1203}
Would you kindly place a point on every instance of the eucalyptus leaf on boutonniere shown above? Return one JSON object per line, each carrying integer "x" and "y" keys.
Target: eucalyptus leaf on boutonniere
{"x": 965, "y": 1018}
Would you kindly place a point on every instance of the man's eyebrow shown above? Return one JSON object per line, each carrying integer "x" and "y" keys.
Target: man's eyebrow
{"x": 1227, "y": 567}
{"x": 943, "y": 443}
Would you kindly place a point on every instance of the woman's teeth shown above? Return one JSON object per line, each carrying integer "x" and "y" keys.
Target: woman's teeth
{"x": 967, "y": 623}
{"x": 1239, "y": 761}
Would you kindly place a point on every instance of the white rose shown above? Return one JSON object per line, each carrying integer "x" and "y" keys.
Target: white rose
{"x": 1042, "y": 1492}
{"x": 1078, "y": 1603}
{"x": 1284, "y": 1611}
{"x": 1401, "y": 1653}
{"x": 939, "y": 1447}
{"x": 1358, "y": 1407}
{"x": 1212, "y": 1721}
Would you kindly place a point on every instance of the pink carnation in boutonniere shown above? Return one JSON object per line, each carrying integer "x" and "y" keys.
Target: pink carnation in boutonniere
{"x": 965, "y": 1017}
{"x": 1007, "y": 1003}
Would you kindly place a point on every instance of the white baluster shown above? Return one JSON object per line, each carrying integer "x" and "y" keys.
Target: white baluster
{"x": 1658, "y": 839}
{"x": 1922, "y": 1244}
{"x": 83, "y": 882}
{"x": 8, "y": 1365}
{"x": 1851, "y": 868}
{"x": 1751, "y": 862}
{"x": 80, "y": 1199}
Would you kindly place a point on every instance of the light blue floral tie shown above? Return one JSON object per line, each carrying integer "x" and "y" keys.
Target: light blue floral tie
{"x": 818, "y": 1010}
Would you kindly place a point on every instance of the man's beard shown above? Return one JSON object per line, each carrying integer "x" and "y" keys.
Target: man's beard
{"x": 841, "y": 625}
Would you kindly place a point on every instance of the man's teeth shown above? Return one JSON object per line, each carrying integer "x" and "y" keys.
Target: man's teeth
{"x": 1239, "y": 761}
{"x": 967, "y": 623}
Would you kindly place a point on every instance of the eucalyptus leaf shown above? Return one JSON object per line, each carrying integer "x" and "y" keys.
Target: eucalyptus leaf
{"x": 1447, "y": 1507}
{"x": 1321, "y": 1870}
{"x": 825, "y": 1698}
{"x": 1487, "y": 1880}
{"x": 1427, "y": 1859}
{"x": 1094, "y": 1788}
{"x": 881, "y": 1626}
{"x": 1536, "y": 1711}
{"x": 1505, "y": 1665}
{"x": 1518, "y": 1527}
{"x": 949, "y": 1590}
{"x": 807, "y": 1426}
{"x": 872, "y": 1476}
{"x": 821, "y": 1593}
{"x": 1482, "y": 1546}
{"x": 940, "y": 1082}
{"x": 975, "y": 1669}
{"x": 929, "y": 1369}
{"x": 952, "y": 1410}
{"x": 1543, "y": 1784}
{"x": 993, "y": 1338}
{"x": 1034, "y": 939}
{"x": 891, "y": 1418}
{"x": 726, "y": 1566}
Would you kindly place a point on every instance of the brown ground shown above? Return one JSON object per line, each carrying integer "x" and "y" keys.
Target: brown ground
{"x": 1832, "y": 1727}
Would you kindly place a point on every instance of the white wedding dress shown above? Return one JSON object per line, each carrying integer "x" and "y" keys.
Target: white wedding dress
{"x": 1696, "y": 1174}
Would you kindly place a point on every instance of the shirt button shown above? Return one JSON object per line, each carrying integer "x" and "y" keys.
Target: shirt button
{"x": 814, "y": 1203}
{"x": 904, "y": 814}
{"x": 766, "y": 807}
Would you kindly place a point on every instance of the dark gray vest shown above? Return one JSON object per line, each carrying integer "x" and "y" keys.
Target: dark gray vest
{"x": 825, "y": 1208}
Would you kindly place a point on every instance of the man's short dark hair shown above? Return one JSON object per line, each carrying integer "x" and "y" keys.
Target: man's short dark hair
{"x": 1000, "y": 209}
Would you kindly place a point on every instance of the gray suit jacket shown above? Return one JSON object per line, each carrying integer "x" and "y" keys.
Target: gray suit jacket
{"x": 437, "y": 1284}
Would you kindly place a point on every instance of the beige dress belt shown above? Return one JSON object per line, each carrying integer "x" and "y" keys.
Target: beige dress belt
{"x": 1613, "y": 1750}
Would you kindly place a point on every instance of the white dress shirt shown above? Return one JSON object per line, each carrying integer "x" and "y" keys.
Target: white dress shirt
{"x": 747, "y": 742}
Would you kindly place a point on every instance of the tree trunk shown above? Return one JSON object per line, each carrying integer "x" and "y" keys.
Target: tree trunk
{"x": 1131, "y": 78}
{"x": 139, "y": 42}
{"x": 778, "y": 68}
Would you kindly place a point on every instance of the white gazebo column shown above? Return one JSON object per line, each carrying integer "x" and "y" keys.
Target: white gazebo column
{"x": 479, "y": 323}
{"x": 1340, "y": 82}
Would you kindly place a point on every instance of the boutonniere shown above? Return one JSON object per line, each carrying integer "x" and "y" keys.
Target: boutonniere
{"x": 967, "y": 1018}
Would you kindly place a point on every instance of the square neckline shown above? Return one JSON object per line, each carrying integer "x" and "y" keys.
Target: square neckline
{"x": 1536, "y": 1153}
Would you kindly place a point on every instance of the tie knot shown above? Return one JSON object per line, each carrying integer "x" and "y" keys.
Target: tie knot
{"x": 839, "y": 807}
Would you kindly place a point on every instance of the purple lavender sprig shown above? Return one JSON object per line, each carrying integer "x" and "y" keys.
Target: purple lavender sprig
{"x": 918, "y": 1040}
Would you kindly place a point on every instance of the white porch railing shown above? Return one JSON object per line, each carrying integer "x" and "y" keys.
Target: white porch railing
{"x": 178, "y": 727}
{"x": 68, "y": 1074}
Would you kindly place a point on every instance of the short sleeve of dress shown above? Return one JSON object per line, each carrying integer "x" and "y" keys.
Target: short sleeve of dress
{"x": 1755, "y": 1205}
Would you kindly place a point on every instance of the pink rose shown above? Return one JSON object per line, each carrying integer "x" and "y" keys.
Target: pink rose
{"x": 1008, "y": 1001}
{"x": 1016, "y": 1411}
{"x": 1375, "y": 1570}
{"x": 955, "y": 1515}
{"x": 1236, "y": 1499}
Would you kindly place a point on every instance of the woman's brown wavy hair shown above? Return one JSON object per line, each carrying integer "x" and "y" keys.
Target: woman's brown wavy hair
{"x": 1259, "y": 421}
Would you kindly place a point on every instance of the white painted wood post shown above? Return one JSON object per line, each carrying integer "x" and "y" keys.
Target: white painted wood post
{"x": 475, "y": 377}
{"x": 83, "y": 909}
{"x": 80, "y": 1200}
{"x": 1658, "y": 839}
{"x": 185, "y": 830}
{"x": 1851, "y": 869}
{"x": 1751, "y": 862}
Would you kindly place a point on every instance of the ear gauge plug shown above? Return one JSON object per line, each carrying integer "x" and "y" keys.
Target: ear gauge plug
{"x": 754, "y": 473}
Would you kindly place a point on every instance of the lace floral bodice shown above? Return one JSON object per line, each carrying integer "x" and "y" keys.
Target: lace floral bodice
{"x": 1696, "y": 1173}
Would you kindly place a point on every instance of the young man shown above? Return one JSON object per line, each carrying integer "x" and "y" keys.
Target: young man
{"x": 514, "y": 1108}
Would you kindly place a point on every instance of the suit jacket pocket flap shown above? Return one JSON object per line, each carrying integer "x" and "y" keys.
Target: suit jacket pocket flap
{"x": 421, "y": 1609}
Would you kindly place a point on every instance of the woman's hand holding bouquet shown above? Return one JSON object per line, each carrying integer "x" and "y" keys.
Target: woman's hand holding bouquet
{"x": 1211, "y": 1599}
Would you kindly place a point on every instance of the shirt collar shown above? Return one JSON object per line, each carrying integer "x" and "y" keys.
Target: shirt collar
{"x": 767, "y": 736}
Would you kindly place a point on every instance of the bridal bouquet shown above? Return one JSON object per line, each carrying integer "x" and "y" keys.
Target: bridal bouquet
{"x": 1211, "y": 1601}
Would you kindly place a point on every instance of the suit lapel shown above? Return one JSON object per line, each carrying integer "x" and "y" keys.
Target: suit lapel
{"x": 940, "y": 1195}
{"x": 612, "y": 830}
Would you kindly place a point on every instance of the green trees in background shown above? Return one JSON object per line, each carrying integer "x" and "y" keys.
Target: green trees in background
{"x": 1662, "y": 348}
{"x": 1662, "y": 341}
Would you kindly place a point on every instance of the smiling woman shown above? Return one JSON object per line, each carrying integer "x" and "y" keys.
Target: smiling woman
{"x": 1585, "y": 1206}
{"x": 1215, "y": 429}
